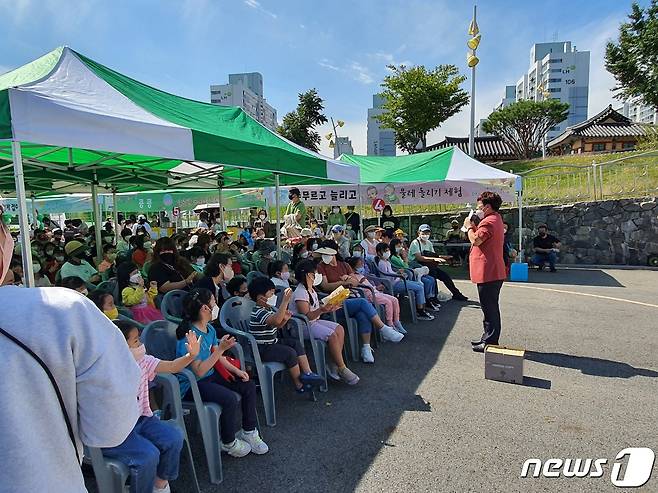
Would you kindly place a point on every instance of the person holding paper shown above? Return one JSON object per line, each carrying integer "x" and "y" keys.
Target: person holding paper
{"x": 486, "y": 264}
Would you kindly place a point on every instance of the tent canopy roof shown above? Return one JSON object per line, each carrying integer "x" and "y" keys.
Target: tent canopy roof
{"x": 450, "y": 164}
{"x": 76, "y": 118}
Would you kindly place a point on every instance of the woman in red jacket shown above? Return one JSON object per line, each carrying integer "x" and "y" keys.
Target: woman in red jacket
{"x": 487, "y": 267}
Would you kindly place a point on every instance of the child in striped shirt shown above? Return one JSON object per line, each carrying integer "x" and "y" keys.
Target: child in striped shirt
{"x": 264, "y": 325}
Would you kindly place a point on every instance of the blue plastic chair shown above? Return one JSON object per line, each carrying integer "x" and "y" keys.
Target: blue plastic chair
{"x": 172, "y": 305}
{"x": 234, "y": 318}
{"x": 160, "y": 341}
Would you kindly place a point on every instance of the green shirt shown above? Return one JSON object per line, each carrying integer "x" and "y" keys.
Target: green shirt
{"x": 300, "y": 208}
{"x": 334, "y": 219}
{"x": 398, "y": 263}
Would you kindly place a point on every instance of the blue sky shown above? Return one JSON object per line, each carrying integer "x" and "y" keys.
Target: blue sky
{"x": 339, "y": 47}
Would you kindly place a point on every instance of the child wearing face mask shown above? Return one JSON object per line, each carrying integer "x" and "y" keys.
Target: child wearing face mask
{"x": 217, "y": 378}
{"x": 152, "y": 449}
{"x": 265, "y": 324}
{"x": 105, "y": 303}
{"x": 391, "y": 303}
{"x": 135, "y": 296}
{"x": 279, "y": 273}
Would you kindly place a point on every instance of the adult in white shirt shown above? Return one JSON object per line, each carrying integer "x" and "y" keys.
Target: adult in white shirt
{"x": 92, "y": 367}
{"x": 143, "y": 223}
{"x": 76, "y": 266}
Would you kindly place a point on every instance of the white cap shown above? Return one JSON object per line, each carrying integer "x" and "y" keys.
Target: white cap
{"x": 424, "y": 227}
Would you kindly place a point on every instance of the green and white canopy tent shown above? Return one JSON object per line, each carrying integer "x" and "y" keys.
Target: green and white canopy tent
{"x": 449, "y": 164}
{"x": 66, "y": 120}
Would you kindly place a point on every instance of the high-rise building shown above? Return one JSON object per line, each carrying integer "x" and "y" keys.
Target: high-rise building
{"x": 639, "y": 112}
{"x": 560, "y": 71}
{"x": 245, "y": 91}
{"x": 381, "y": 141}
{"x": 343, "y": 146}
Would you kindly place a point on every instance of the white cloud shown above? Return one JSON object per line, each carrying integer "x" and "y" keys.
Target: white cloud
{"x": 254, "y": 4}
{"x": 327, "y": 64}
{"x": 390, "y": 58}
{"x": 355, "y": 70}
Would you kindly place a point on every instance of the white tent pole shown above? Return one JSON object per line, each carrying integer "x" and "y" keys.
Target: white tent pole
{"x": 34, "y": 211}
{"x": 277, "y": 201}
{"x": 115, "y": 216}
{"x": 26, "y": 251}
{"x": 360, "y": 214}
{"x": 97, "y": 217}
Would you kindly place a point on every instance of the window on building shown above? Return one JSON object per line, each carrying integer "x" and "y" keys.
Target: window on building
{"x": 628, "y": 145}
{"x": 555, "y": 60}
{"x": 555, "y": 89}
{"x": 554, "y": 80}
{"x": 554, "y": 70}
{"x": 598, "y": 147}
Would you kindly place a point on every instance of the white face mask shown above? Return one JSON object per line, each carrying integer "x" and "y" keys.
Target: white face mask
{"x": 314, "y": 247}
{"x": 148, "y": 245}
{"x": 228, "y": 273}
{"x": 335, "y": 210}
{"x": 36, "y": 268}
{"x": 285, "y": 275}
{"x": 357, "y": 254}
{"x": 215, "y": 312}
{"x": 399, "y": 249}
{"x": 262, "y": 217}
{"x": 304, "y": 254}
{"x": 136, "y": 278}
{"x": 317, "y": 279}
{"x": 272, "y": 300}
{"x": 327, "y": 258}
{"x": 386, "y": 255}
{"x": 370, "y": 234}
{"x": 201, "y": 261}
{"x": 424, "y": 237}
{"x": 480, "y": 213}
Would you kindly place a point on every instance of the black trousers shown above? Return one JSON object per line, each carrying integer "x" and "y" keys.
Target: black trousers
{"x": 489, "y": 293}
{"x": 444, "y": 277}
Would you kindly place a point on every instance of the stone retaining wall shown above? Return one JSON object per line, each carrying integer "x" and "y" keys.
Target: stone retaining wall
{"x": 608, "y": 232}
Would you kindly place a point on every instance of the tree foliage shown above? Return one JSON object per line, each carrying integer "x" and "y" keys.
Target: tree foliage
{"x": 299, "y": 125}
{"x": 418, "y": 100}
{"x": 633, "y": 60}
{"x": 523, "y": 124}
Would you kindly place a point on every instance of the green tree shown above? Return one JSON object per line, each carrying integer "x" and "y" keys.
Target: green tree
{"x": 523, "y": 124}
{"x": 298, "y": 125}
{"x": 633, "y": 60}
{"x": 418, "y": 100}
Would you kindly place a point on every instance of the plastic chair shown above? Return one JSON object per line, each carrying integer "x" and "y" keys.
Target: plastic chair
{"x": 112, "y": 475}
{"x": 234, "y": 318}
{"x": 172, "y": 305}
{"x": 317, "y": 346}
{"x": 110, "y": 286}
{"x": 160, "y": 341}
{"x": 372, "y": 266}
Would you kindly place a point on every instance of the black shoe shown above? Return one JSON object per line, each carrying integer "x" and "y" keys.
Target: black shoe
{"x": 459, "y": 297}
{"x": 479, "y": 348}
{"x": 475, "y": 342}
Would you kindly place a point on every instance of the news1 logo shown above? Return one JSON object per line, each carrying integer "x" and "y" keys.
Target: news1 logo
{"x": 638, "y": 464}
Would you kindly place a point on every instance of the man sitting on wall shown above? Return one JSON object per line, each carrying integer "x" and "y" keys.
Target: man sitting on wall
{"x": 546, "y": 248}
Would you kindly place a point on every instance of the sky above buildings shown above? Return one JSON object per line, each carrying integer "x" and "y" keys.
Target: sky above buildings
{"x": 340, "y": 47}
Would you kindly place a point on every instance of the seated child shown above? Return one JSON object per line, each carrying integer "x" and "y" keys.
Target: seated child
{"x": 264, "y": 325}
{"x": 105, "y": 303}
{"x": 152, "y": 450}
{"x": 135, "y": 296}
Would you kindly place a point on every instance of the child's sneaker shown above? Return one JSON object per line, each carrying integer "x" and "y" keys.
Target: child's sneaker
{"x": 258, "y": 446}
{"x": 348, "y": 376}
{"x": 366, "y": 355}
{"x": 239, "y": 448}
{"x": 434, "y": 305}
{"x": 398, "y": 326}
{"x": 332, "y": 370}
{"x": 390, "y": 334}
{"x": 166, "y": 489}
{"x": 423, "y": 315}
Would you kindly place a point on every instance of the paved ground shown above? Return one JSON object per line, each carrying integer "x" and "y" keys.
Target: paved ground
{"x": 424, "y": 418}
